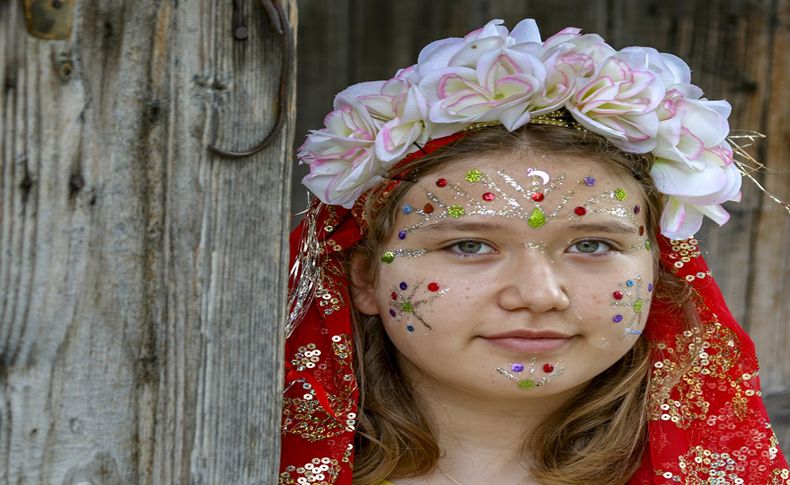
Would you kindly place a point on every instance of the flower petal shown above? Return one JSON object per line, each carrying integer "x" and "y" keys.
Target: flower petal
{"x": 679, "y": 221}
{"x": 676, "y": 180}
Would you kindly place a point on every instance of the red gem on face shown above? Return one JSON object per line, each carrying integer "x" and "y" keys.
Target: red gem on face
{"x": 394, "y": 295}
{"x": 433, "y": 286}
{"x": 641, "y": 230}
{"x": 488, "y": 197}
{"x": 537, "y": 196}
{"x": 580, "y": 211}
{"x": 618, "y": 295}
{"x": 428, "y": 208}
{"x": 441, "y": 183}
{"x": 548, "y": 368}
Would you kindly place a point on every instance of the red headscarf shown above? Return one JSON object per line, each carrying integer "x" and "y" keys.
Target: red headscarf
{"x": 708, "y": 427}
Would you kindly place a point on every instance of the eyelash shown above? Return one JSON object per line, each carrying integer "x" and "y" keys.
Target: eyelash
{"x": 611, "y": 247}
{"x": 453, "y": 248}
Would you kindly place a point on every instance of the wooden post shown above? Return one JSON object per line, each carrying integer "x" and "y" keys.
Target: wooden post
{"x": 142, "y": 279}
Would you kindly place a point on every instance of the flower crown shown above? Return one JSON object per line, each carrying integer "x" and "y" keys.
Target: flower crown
{"x": 639, "y": 99}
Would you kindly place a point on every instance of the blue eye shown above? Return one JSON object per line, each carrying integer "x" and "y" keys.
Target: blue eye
{"x": 590, "y": 246}
{"x": 470, "y": 247}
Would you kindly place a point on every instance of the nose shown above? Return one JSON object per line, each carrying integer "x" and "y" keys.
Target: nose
{"x": 532, "y": 283}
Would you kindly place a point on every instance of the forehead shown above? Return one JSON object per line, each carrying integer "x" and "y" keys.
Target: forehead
{"x": 522, "y": 189}
{"x": 552, "y": 175}
{"x": 528, "y": 168}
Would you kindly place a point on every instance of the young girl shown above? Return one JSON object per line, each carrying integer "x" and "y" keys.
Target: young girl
{"x": 499, "y": 283}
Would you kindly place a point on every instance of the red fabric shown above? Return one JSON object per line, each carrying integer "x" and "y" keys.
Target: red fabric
{"x": 710, "y": 425}
{"x": 320, "y": 402}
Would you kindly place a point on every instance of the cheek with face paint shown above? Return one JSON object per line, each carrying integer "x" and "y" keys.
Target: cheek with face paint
{"x": 630, "y": 303}
{"x": 409, "y": 299}
{"x": 456, "y": 274}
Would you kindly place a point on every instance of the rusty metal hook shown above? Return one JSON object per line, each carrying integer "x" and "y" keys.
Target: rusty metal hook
{"x": 279, "y": 23}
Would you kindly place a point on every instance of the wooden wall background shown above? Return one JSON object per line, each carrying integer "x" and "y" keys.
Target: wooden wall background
{"x": 142, "y": 279}
{"x": 738, "y": 50}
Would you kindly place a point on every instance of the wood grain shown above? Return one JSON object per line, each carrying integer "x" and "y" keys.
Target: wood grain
{"x": 142, "y": 280}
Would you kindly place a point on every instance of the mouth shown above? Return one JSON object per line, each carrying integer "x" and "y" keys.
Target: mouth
{"x": 528, "y": 341}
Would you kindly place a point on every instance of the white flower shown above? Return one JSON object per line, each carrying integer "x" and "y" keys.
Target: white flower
{"x": 500, "y": 87}
{"x": 694, "y": 193}
{"x": 341, "y": 156}
{"x": 619, "y": 102}
{"x": 466, "y": 52}
{"x": 407, "y": 126}
{"x": 671, "y": 69}
{"x": 690, "y": 128}
{"x": 573, "y": 52}
{"x": 570, "y": 58}
{"x": 638, "y": 98}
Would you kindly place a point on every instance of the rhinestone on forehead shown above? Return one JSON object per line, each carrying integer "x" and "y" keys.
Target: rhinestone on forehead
{"x": 517, "y": 200}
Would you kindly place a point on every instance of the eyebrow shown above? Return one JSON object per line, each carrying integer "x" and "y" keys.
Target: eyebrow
{"x": 608, "y": 227}
{"x": 470, "y": 226}
{"x": 612, "y": 227}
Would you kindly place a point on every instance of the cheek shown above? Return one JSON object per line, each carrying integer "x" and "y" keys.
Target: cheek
{"x": 408, "y": 297}
{"x": 619, "y": 306}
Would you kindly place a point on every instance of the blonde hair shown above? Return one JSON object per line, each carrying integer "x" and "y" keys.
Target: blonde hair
{"x": 590, "y": 439}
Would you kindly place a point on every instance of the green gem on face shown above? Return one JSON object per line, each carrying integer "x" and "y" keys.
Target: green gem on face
{"x": 638, "y": 305}
{"x": 474, "y": 175}
{"x": 407, "y": 307}
{"x": 526, "y": 384}
{"x": 620, "y": 194}
{"x": 388, "y": 257}
{"x": 648, "y": 245}
{"x": 536, "y": 218}
{"x": 455, "y": 211}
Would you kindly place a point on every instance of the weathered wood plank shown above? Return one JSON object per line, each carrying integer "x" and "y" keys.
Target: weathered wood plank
{"x": 768, "y": 308}
{"x": 142, "y": 280}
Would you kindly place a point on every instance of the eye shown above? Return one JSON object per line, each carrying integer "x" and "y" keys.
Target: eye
{"x": 590, "y": 246}
{"x": 470, "y": 247}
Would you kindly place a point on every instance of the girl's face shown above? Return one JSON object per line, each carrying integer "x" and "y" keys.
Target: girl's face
{"x": 515, "y": 276}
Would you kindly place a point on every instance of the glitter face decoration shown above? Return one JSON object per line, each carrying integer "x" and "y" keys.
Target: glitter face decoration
{"x": 526, "y": 202}
{"x": 389, "y": 256}
{"x": 523, "y": 264}
{"x": 531, "y": 375}
{"x": 629, "y": 303}
{"x": 405, "y": 302}
{"x": 536, "y": 245}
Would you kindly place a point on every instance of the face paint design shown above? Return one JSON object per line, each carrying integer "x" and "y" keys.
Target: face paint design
{"x": 404, "y": 305}
{"x": 629, "y": 296}
{"x": 389, "y": 256}
{"x": 538, "y": 246}
{"x": 455, "y": 200}
{"x": 603, "y": 344}
{"x": 543, "y": 176}
{"x": 531, "y": 375}
{"x": 479, "y": 276}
